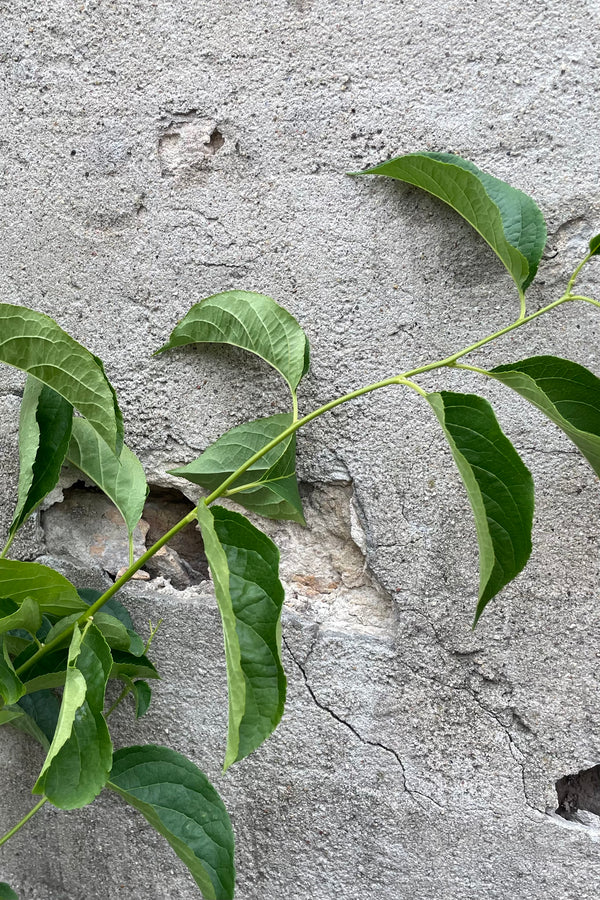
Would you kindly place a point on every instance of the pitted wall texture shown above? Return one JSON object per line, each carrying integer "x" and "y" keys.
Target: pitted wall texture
{"x": 154, "y": 153}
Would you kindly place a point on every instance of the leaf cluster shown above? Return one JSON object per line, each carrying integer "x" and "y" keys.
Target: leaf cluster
{"x": 62, "y": 645}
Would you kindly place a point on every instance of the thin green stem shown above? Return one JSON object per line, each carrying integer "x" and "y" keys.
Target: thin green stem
{"x": 7, "y": 545}
{"x": 294, "y": 406}
{"x": 95, "y": 607}
{"x": 411, "y": 384}
{"x": 523, "y": 302}
{"x": 124, "y": 693}
{"x": 402, "y": 379}
{"x": 450, "y": 360}
{"x": 294, "y": 427}
{"x": 585, "y": 299}
{"x": 130, "y": 549}
{"x": 23, "y": 821}
{"x": 470, "y": 368}
{"x": 577, "y": 271}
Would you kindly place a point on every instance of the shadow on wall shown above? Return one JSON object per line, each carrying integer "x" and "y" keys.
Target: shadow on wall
{"x": 580, "y": 792}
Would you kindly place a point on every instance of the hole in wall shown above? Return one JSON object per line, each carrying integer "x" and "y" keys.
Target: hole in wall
{"x": 85, "y": 528}
{"x": 183, "y": 561}
{"x": 215, "y": 142}
{"x": 579, "y": 793}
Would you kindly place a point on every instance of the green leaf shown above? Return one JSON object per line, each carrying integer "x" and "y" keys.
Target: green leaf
{"x": 41, "y": 711}
{"x": 251, "y": 321}
{"x": 121, "y": 478}
{"x": 130, "y": 666}
{"x": 53, "y": 593}
{"x": 44, "y": 434}
{"x": 8, "y": 715}
{"x": 79, "y": 759}
{"x": 34, "y": 343}
{"x": 499, "y": 487}
{"x": 178, "y": 800}
{"x": 595, "y": 245}
{"x": 11, "y": 686}
{"x": 143, "y": 697}
{"x": 27, "y": 616}
{"x": 116, "y": 609}
{"x": 507, "y": 219}
{"x": 117, "y": 635}
{"x": 566, "y": 392}
{"x": 6, "y": 892}
{"x": 244, "y": 565}
{"x": 277, "y": 496}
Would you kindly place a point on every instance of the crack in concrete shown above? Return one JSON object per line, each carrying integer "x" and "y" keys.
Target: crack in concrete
{"x": 512, "y": 744}
{"x": 410, "y": 791}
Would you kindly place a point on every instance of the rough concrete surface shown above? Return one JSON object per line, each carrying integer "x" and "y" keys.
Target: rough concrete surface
{"x": 154, "y": 153}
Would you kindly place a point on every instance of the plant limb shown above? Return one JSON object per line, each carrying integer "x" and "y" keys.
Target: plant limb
{"x": 119, "y": 583}
{"x": 223, "y": 489}
{"x": 23, "y": 821}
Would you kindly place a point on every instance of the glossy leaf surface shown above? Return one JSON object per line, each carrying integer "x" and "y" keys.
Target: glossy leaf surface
{"x": 277, "y": 496}
{"x": 6, "y": 892}
{"x": 143, "y": 697}
{"x": 27, "y": 616}
{"x": 499, "y": 487}
{"x": 53, "y": 593}
{"x": 41, "y": 711}
{"x": 506, "y": 218}
{"x": 244, "y": 564}
{"x": 9, "y": 714}
{"x": 178, "y": 800}
{"x": 34, "y": 343}
{"x": 569, "y": 394}
{"x": 11, "y": 687}
{"x": 251, "y": 321}
{"x": 116, "y": 609}
{"x": 79, "y": 759}
{"x": 595, "y": 245}
{"x": 44, "y": 434}
{"x": 126, "y": 664}
{"x": 121, "y": 478}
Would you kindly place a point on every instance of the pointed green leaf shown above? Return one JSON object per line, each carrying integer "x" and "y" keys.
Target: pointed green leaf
{"x": 143, "y": 697}
{"x": 79, "y": 760}
{"x": 251, "y": 321}
{"x": 26, "y": 616}
{"x": 244, "y": 564}
{"x": 507, "y": 219}
{"x": 499, "y": 487}
{"x": 11, "y": 686}
{"x": 34, "y": 343}
{"x": 41, "y": 710}
{"x": 595, "y": 245}
{"x": 117, "y": 635}
{"x": 118, "y": 611}
{"x": 54, "y": 594}
{"x": 9, "y": 714}
{"x": 569, "y": 394}
{"x": 121, "y": 478}
{"x": 6, "y": 892}
{"x": 178, "y": 800}
{"x": 44, "y": 434}
{"x": 130, "y": 666}
{"x": 277, "y": 496}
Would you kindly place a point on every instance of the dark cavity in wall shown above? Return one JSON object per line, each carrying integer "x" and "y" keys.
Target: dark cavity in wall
{"x": 183, "y": 560}
{"x": 86, "y": 529}
{"x": 579, "y": 792}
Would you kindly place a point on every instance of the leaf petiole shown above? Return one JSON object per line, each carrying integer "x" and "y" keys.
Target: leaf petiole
{"x": 23, "y": 821}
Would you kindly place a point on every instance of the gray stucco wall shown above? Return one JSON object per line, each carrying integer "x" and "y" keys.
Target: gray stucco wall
{"x": 155, "y": 153}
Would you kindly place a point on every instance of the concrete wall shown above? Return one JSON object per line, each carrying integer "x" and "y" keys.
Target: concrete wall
{"x": 154, "y": 153}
